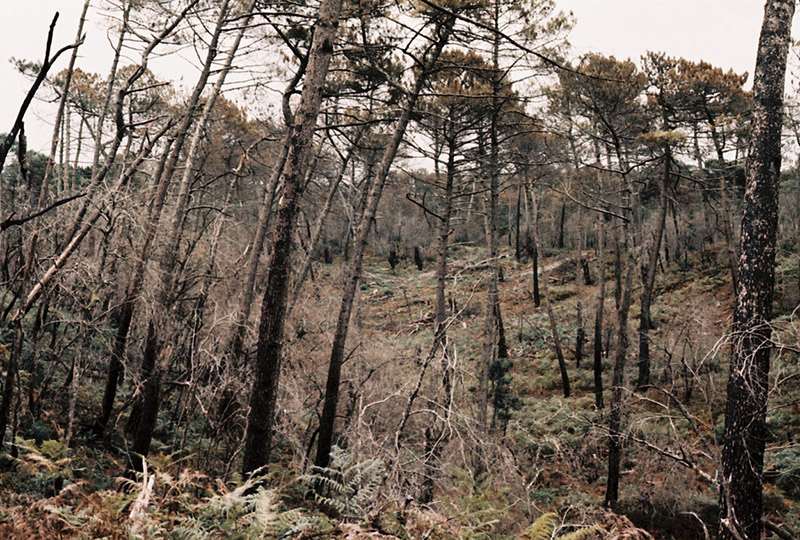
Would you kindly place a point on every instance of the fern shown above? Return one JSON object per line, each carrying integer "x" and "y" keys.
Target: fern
{"x": 541, "y": 529}
{"x": 582, "y": 534}
{"x": 348, "y": 487}
{"x": 545, "y": 527}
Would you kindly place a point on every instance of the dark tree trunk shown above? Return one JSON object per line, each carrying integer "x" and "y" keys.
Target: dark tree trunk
{"x": 598, "y": 321}
{"x": 418, "y": 258}
{"x": 617, "y": 270}
{"x": 147, "y": 415}
{"x": 328, "y": 418}
{"x": 580, "y": 335}
{"x": 581, "y": 266}
{"x": 517, "y": 253}
{"x": 561, "y": 221}
{"x": 533, "y": 250}
{"x": 646, "y": 297}
{"x": 616, "y": 416}
{"x": 260, "y": 420}
{"x": 502, "y": 346}
{"x": 562, "y": 364}
{"x": 745, "y": 414}
{"x": 149, "y": 358}
{"x": 12, "y": 366}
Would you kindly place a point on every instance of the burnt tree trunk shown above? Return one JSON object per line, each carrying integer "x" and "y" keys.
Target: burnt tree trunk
{"x": 562, "y": 364}
{"x": 260, "y": 420}
{"x": 561, "y": 221}
{"x": 598, "y": 321}
{"x": 741, "y": 497}
{"x": 616, "y": 416}
{"x": 328, "y": 418}
{"x": 533, "y": 250}
{"x": 646, "y": 297}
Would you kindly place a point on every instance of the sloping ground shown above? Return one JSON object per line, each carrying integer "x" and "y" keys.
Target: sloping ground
{"x": 547, "y": 455}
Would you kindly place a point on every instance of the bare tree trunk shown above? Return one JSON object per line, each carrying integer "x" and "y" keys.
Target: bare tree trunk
{"x": 616, "y": 416}
{"x": 492, "y": 241}
{"x": 581, "y": 277}
{"x": 323, "y": 214}
{"x": 598, "y": 320}
{"x": 646, "y": 297}
{"x": 562, "y": 364}
{"x": 741, "y": 496}
{"x": 533, "y": 250}
{"x": 561, "y": 221}
{"x": 517, "y": 251}
{"x": 258, "y": 437}
{"x": 437, "y": 435}
{"x": 328, "y": 418}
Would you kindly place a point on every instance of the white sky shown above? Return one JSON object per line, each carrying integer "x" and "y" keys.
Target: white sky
{"x": 722, "y": 32}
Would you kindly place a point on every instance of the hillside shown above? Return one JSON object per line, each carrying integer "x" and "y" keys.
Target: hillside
{"x": 544, "y": 453}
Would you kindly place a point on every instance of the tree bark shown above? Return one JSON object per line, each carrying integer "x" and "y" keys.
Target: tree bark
{"x": 598, "y": 320}
{"x": 741, "y": 497}
{"x": 492, "y": 241}
{"x": 616, "y": 416}
{"x": 328, "y": 418}
{"x": 533, "y": 250}
{"x": 646, "y": 297}
{"x": 562, "y": 364}
{"x": 260, "y": 419}
{"x": 146, "y": 409}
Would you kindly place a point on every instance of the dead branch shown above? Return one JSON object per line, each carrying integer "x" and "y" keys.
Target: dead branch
{"x": 11, "y": 221}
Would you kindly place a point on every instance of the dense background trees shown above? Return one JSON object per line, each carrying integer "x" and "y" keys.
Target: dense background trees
{"x": 343, "y": 298}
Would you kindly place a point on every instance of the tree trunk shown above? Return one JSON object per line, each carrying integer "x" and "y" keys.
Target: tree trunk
{"x": 646, "y": 297}
{"x": 328, "y": 418}
{"x": 517, "y": 252}
{"x": 533, "y": 250}
{"x": 260, "y": 420}
{"x": 492, "y": 241}
{"x": 561, "y": 221}
{"x": 745, "y": 414}
{"x": 12, "y": 366}
{"x": 616, "y": 416}
{"x": 598, "y": 320}
{"x": 580, "y": 268}
{"x": 146, "y": 409}
{"x": 562, "y": 364}
{"x": 437, "y": 434}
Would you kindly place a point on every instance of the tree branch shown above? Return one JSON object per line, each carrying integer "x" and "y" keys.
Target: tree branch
{"x": 424, "y": 208}
{"x": 11, "y": 222}
{"x": 40, "y": 77}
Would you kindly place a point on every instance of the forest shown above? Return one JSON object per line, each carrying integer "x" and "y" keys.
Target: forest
{"x": 398, "y": 270}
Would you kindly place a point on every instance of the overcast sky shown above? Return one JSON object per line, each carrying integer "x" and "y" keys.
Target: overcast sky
{"x": 722, "y": 32}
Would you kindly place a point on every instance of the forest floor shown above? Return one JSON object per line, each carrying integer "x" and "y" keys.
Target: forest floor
{"x": 545, "y": 453}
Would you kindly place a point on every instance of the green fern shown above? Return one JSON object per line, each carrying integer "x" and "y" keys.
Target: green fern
{"x": 541, "y": 529}
{"x": 348, "y": 487}
{"x": 545, "y": 527}
{"x": 582, "y": 534}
